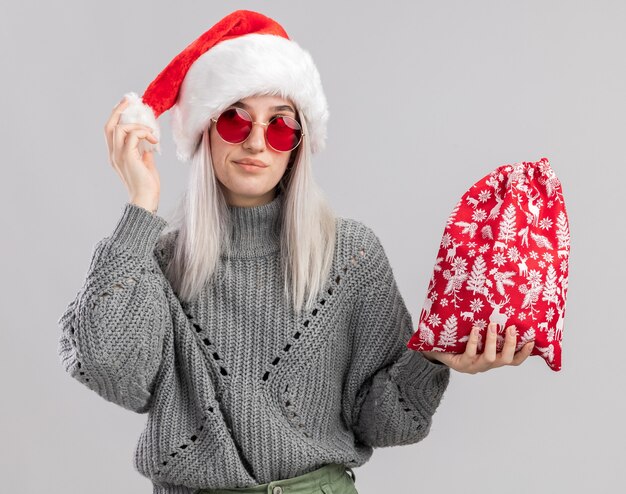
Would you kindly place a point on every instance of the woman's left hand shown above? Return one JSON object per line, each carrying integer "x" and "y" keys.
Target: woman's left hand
{"x": 471, "y": 363}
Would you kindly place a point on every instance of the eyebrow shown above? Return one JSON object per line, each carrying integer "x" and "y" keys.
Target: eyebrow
{"x": 241, "y": 104}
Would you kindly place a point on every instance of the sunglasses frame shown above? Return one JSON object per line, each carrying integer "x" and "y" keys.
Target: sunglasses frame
{"x": 264, "y": 124}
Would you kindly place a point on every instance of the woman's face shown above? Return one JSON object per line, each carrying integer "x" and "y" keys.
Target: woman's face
{"x": 250, "y": 185}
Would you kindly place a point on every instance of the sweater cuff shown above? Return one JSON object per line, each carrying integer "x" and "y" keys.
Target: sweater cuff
{"x": 421, "y": 380}
{"x": 138, "y": 229}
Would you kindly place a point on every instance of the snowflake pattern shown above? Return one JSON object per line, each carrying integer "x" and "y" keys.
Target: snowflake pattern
{"x": 459, "y": 264}
{"x": 476, "y": 305}
{"x": 446, "y": 240}
{"x": 504, "y": 254}
{"x": 534, "y": 277}
{"x": 513, "y": 254}
{"x": 479, "y": 215}
{"x": 480, "y": 324}
{"x": 545, "y": 224}
{"x": 434, "y": 320}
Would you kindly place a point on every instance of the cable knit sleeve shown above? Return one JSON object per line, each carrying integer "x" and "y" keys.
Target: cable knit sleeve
{"x": 112, "y": 332}
{"x": 393, "y": 391}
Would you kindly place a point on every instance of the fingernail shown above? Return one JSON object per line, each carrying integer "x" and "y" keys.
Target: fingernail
{"x": 492, "y": 328}
{"x": 512, "y": 331}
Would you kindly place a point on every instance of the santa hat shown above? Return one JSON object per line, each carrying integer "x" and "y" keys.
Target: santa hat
{"x": 244, "y": 54}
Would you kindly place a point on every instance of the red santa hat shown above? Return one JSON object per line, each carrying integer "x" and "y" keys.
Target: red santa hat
{"x": 244, "y": 54}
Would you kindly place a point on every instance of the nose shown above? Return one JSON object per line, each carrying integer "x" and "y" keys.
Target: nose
{"x": 256, "y": 140}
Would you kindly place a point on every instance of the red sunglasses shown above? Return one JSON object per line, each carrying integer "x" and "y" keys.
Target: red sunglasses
{"x": 283, "y": 133}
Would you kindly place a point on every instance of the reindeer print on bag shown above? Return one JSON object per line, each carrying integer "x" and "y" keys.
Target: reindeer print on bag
{"x": 503, "y": 258}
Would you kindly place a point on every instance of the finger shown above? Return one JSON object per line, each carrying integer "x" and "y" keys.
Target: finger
{"x": 488, "y": 357}
{"x": 132, "y": 141}
{"x": 113, "y": 120}
{"x": 121, "y": 133}
{"x": 508, "y": 350}
{"x": 524, "y": 353}
{"x": 468, "y": 358}
{"x": 472, "y": 343}
{"x": 148, "y": 159}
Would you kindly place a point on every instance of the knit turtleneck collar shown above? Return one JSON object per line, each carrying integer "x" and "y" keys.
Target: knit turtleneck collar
{"x": 255, "y": 231}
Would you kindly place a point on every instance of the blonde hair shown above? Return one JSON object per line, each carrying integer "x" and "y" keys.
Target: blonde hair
{"x": 307, "y": 236}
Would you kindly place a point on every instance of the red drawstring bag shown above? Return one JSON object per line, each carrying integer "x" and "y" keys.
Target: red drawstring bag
{"x": 503, "y": 258}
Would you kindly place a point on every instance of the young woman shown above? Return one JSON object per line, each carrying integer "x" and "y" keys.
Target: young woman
{"x": 264, "y": 336}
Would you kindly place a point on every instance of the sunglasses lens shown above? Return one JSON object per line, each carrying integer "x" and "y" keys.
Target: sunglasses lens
{"x": 234, "y": 125}
{"x": 284, "y": 133}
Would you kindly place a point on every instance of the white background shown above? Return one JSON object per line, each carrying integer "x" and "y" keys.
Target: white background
{"x": 425, "y": 98}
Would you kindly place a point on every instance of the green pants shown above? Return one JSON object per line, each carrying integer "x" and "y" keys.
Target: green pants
{"x": 329, "y": 479}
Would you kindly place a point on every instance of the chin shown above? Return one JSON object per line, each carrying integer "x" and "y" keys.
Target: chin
{"x": 251, "y": 192}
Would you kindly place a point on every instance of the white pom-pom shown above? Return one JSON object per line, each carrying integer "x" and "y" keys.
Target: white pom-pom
{"x": 138, "y": 112}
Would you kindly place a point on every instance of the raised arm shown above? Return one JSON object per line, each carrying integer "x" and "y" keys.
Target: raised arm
{"x": 112, "y": 332}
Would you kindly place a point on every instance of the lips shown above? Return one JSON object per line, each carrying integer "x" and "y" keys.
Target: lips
{"x": 250, "y": 162}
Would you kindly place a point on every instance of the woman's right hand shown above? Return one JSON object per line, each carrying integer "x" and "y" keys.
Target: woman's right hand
{"x": 138, "y": 173}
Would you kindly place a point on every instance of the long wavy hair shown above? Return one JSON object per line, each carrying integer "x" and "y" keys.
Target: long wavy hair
{"x": 307, "y": 236}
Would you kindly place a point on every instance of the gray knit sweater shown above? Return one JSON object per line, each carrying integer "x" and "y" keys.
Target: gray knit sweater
{"x": 239, "y": 391}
